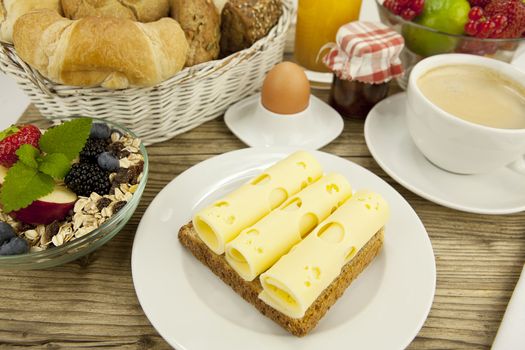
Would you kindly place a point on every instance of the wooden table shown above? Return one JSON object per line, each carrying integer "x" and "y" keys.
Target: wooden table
{"x": 92, "y": 303}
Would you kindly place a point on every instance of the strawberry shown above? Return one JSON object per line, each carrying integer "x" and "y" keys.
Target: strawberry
{"x": 12, "y": 138}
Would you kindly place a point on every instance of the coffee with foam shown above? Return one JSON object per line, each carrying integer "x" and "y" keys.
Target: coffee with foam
{"x": 476, "y": 94}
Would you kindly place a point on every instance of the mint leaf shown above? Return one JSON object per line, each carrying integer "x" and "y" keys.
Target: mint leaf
{"x": 22, "y": 186}
{"x": 28, "y": 155}
{"x": 13, "y": 129}
{"x": 56, "y": 165}
{"x": 67, "y": 138}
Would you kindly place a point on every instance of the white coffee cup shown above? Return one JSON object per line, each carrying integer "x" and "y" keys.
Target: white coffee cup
{"x": 455, "y": 144}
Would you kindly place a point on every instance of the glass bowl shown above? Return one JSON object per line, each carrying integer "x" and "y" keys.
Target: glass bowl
{"x": 86, "y": 244}
{"x": 422, "y": 41}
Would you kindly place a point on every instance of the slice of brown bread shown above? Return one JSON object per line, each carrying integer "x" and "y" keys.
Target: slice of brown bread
{"x": 250, "y": 290}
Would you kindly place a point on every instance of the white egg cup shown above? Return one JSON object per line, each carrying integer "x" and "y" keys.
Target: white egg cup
{"x": 313, "y": 128}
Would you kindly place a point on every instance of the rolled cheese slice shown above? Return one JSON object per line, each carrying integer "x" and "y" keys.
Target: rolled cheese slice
{"x": 298, "y": 278}
{"x": 259, "y": 246}
{"x": 221, "y": 222}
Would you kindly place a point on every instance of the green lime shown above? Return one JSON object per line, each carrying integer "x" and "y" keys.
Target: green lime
{"x": 448, "y": 16}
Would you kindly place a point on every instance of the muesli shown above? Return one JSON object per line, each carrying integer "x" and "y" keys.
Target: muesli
{"x": 61, "y": 183}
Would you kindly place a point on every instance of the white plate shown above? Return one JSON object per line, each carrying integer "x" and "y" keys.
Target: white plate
{"x": 194, "y": 310}
{"x": 387, "y": 137}
{"x": 322, "y": 125}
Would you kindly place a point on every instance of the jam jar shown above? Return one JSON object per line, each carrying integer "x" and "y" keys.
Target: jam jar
{"x": 364, "y": 59}
{"x": 354, "y": 99}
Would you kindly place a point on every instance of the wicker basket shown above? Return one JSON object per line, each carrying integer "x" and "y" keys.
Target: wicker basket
{"x": 190, "y": 98}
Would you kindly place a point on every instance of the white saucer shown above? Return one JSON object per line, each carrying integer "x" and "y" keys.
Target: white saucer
{"x": 499, "y": 192}
{"x": 322, "y": 126}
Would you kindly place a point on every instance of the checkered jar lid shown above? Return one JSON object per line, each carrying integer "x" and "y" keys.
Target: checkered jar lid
{"x": 366, "y": 52}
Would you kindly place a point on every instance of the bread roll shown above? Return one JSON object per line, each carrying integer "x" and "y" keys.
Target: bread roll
{"x": 137, "y": 10}
{"x": 114, "y": 53}
{"x": 11, "y": 10}
{"x": 243, "y": 22}
{"x": 201, "y": 23}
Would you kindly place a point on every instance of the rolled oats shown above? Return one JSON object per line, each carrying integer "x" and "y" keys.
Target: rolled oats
{"x": 125, "y": 163}
{"x": 80, "y": 204}
{"x": 31, "y": 235}
{"x": 58, "y": 240}
{"x": 115, "y": 137}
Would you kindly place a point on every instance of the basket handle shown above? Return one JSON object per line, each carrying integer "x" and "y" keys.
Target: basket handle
{"x": 34, "y": 76}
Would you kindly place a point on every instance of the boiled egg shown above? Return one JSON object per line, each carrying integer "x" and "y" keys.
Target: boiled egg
{"x": 286, "y": 89}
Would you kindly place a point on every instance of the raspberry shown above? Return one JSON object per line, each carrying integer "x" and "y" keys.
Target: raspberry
{"x": 16, "y": 137}
{"x": 501, "y": 22}
{"x": 485, "y": 29}
{"x": 514, "y": 11}
{"x": 471, "y": 28}
{"x": 475, "y": 13}
{"x": 408, "y": 14}
{"x": 92, "y": 149}
{"x": 86, "y": 178}
{"x": 408, "y": 9}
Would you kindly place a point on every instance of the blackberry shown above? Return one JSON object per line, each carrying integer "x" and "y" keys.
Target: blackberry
{"x": 92, "y": 149}
{"x": 86, "y": 178}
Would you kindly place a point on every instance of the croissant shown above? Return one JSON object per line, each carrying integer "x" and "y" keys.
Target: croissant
{"x": 11, "y": 10}
{"x": 110, "y": 52}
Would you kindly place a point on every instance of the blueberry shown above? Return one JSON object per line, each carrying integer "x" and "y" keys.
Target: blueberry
{"x": 6, "y": 232}
{"x": 100, "y": 131}
{"x": 108, "y": 161}
{"x": 14, "y": 246}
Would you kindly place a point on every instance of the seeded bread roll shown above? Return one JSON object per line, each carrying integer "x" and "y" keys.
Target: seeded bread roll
{"x": 137, "y": 10}
{"x": 246, "y": 21}
{"x": 11, "y": 10}
{"x": 200, "y": 21}
{"x": 111, "y": 52}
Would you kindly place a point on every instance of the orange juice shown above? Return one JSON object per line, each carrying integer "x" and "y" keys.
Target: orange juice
{"x": 317, "y": 25}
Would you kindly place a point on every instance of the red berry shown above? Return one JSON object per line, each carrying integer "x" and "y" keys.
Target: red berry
{"x": 27, "y": 134}
{"x": 417, "y": 5}
{"x": 501, "y": 21}
{"x": 501, "y": 24}
{"x": 408, "y": 14}
{"x": 514, "y": 11}
{"x": 475, "y": 13}
{"x": 485, "y": 29}
{"x": 471, "y": 28}
{"x": 408, "y": 9}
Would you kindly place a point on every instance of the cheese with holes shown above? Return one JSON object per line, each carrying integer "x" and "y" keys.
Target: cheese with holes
{"x": 259, "y": 246}
{"x": 293, "y": 283}
{"x": 222, "y": 221}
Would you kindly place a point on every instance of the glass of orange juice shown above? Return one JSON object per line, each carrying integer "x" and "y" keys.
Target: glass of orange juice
{"x": 317, "y": 25}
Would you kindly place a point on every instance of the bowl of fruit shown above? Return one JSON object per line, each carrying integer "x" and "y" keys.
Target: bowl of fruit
{"x": 492, "y": 28}
{"x": 67, "y": 186}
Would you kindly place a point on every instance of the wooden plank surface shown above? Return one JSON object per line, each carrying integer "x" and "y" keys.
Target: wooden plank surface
{"x": 92, "y": 303}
